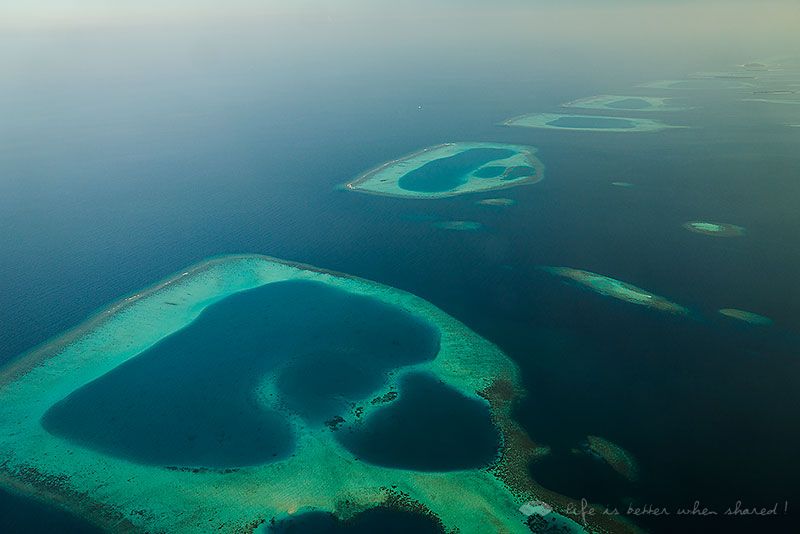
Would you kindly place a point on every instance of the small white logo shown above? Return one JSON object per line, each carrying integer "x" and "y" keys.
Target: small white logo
{"x": 535, "y": 508}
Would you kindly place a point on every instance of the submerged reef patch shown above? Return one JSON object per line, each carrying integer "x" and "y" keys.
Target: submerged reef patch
{"x": 460, "y": 226}
{"x": 781, "y": 101}
{"x": 755, "y": 66}
{"x": 587, "y": 123}
{"x": 618, "y": 458}
{"x": 172, "y": 404}
{"x": 452, "y": 169}
{"x": 624, "y": 103}
{"x": 723, "y": 75}
{"x": 746, "y": 316}
{"x": 499, "y": 202}
{"x": 697, "y": 84}
{"x": 121, "y": 490}
{"x": 780, "y": 92}
{"x": 611, "y": 287}
{"x": 715, "y": 229}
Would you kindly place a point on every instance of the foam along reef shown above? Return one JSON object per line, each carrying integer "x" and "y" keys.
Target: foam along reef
{"x": 317, "y": 472}
{"x": 624, "y": 103}
{"x": 588, "y": 123}
{"x": 715, "y": 229}
{"x": 611, "y": 287}
{"x": 462, "y": 226}
{"x": 452, "y": 169}
{"x": 626, "y": 185}
{"x": 615, "y": 456}
{"x": 746, "y": 316}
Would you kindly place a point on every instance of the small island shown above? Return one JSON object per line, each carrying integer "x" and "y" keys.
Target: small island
{"x": 625, "y": 103}
{"x": 755, "y": 66}
{"x": 776, "y": 92}
{"x": 615, "y": 456}
{"x": 460, "y": 226}
{"x": 499, "y": 202}
{"x": 452, "y": 169}
{"x": 746, "y": 316}
{"x": 611, "y": 287}
{"x": 714, "y": 229}
{"x": 587, "y": 123}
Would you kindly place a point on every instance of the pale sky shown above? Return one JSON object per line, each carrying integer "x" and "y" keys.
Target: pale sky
{"x": 741, "y": 23}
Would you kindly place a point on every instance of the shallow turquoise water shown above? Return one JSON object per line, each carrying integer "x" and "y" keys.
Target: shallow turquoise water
{"x": 383, "y": 520}
{"x": 591, "y": 122}
{"x": 509, "y": 173}
{"x": 445, "y": 174}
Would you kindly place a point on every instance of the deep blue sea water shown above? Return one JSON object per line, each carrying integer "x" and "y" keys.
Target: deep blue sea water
{"x": 431, "y": 427}
{"x": 190, "y": 400}
{"x": 22, "y": 514}
{"x": 125, "y": 157}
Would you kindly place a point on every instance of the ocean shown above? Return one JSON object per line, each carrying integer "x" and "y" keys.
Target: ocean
{"x": 132, "y": 150}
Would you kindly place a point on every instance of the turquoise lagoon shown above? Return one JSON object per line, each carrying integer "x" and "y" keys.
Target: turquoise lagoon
{"x": 625, "y": 103}
{"x": 171, "y": 404}
{"x": 452, "y": 169}
{"x": 591, "y": 123}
